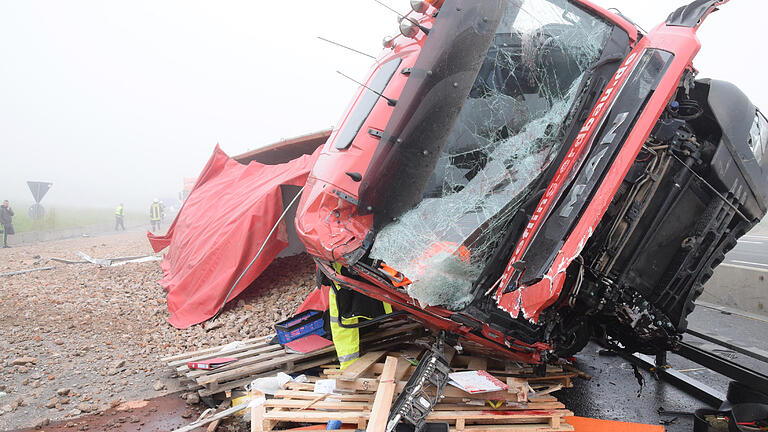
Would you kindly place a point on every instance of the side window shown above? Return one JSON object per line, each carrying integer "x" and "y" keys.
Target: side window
{"x": 366, "y": 103}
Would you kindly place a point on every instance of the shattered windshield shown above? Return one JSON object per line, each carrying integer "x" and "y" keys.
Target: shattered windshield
{"x": 508, "y": 131}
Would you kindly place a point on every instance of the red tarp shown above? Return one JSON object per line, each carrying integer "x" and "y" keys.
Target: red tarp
{"x": 219, "y": 230}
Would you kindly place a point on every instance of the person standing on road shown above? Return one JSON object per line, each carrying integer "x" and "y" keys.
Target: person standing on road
{"x": 162, "y": 211}
{"x": 155, "y": 214}
{"x": 6, "y": 220}
{"x": 120, "y": 217}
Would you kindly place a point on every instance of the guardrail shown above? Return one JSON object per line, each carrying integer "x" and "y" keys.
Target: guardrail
{"x": 744, "y": 288}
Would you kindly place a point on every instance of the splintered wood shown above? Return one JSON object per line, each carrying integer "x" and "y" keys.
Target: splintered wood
{"x": 258, "y": 358}
{"x": 364, "y": 399}
{"x": 366, "y": 390}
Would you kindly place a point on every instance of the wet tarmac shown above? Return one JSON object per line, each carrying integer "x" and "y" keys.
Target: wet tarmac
{"x": 613, "y": 393}
{"x": 160, "y": 414}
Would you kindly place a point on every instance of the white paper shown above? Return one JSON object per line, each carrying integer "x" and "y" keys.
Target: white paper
{"x": 266, "y": 385}
{"x": 325, "y": 386}
{"x": 476, "y": 382}
{"x": 301, "y": 379}
{"x": 283, "y": 379}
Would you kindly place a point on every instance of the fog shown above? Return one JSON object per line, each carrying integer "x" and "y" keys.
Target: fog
{"x": 119, "y": 101}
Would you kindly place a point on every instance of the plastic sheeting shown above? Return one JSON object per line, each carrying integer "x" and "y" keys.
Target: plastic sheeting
{"x": 219, "y": 230}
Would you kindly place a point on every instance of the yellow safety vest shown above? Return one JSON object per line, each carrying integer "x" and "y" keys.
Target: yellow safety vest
{"x": 345, "y": 340}
{"x": 120, "y": 211}
{"x": 154, "y": 212}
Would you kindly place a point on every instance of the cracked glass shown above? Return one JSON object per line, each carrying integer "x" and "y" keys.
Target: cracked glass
{"x": 508, "y": 131}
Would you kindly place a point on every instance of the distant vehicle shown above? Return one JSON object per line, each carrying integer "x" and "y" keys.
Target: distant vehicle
{"x": 527, "y": 175}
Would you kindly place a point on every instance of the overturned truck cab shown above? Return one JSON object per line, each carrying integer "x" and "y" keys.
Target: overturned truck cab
{"x": 527, "y": 174}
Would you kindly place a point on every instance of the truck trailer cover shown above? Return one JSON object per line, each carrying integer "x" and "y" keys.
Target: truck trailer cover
{"x": 220, "y": 228}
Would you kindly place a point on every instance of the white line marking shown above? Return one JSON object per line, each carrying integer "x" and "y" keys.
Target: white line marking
{"x": 753, "y": 236}
{"x": 743, "y": 267}
{"x": 750, "y": 242}
{"x": 750, "y": 263}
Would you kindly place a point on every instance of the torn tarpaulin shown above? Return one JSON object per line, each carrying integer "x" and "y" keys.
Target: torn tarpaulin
{"x": 221, "y": 226}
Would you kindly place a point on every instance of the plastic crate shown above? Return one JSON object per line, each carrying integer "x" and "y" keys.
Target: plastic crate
{"x": 306, "y": 323}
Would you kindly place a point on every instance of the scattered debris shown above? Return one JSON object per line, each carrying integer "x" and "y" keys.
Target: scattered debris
{"x": 363, "y": 393}
{"x": 14, "y": 273}
{"x": 204, "y": 421}
{"x": 66, "y": 261}
{"x": 111, "y": 262}
{"x": 259, "y": 358}
{"x": 97, "y": 316}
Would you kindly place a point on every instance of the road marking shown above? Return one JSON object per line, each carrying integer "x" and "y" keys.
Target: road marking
{"x": 750, "y": 241}
{"x": 750, "y": 263}
{"x": 743, "y": 267}
{"x": 754, "y": 236}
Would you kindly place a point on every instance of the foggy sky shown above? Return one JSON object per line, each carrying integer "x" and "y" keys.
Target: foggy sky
{"x": 119, "y": 101}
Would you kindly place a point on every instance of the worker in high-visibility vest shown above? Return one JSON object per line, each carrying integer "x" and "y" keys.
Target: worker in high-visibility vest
{"x": 120, "y": 217}
{"x": 155, "y": 214}
{"x": 348, "y": 307}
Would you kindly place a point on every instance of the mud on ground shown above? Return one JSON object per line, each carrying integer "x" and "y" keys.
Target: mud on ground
{"x": 82, "y": 338}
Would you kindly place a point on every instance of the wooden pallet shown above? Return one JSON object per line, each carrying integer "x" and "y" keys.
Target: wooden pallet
{"x": 368, "y": 387}
{"x": 284, "y": 408}
{"x": 520, "y": 378}
{"x": 258, "y": 358}
{"x": 360, "y": 402}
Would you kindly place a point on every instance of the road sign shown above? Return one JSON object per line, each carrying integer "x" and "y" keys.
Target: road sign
{"x": 39, "y": 189}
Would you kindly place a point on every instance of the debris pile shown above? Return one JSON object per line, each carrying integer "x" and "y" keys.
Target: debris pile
{"x": 363, "y": 394}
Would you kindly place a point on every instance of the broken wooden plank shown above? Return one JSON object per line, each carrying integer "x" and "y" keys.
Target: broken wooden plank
{"x": 220, "y": 387}
{"x": 252, "y": 368}
{"x": 181, "y": 364}
{"x": 192, "y": 354}
{"x": 262, "y": 354}
{"x": 548, "y": 390}
{"x": 384, "y": 394}
{"x": 314, "y": 401}
{"x": 519, "y": 387}
{"x": 361, "y": 365}
{"x": 332, "y": 371}
{"x": 284, "y": 362}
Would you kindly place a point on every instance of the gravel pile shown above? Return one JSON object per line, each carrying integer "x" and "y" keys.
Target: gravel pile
{"x": 81, "y": 338}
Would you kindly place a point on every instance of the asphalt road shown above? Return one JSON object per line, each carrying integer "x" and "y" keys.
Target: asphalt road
{"x": 752, "y": 251}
